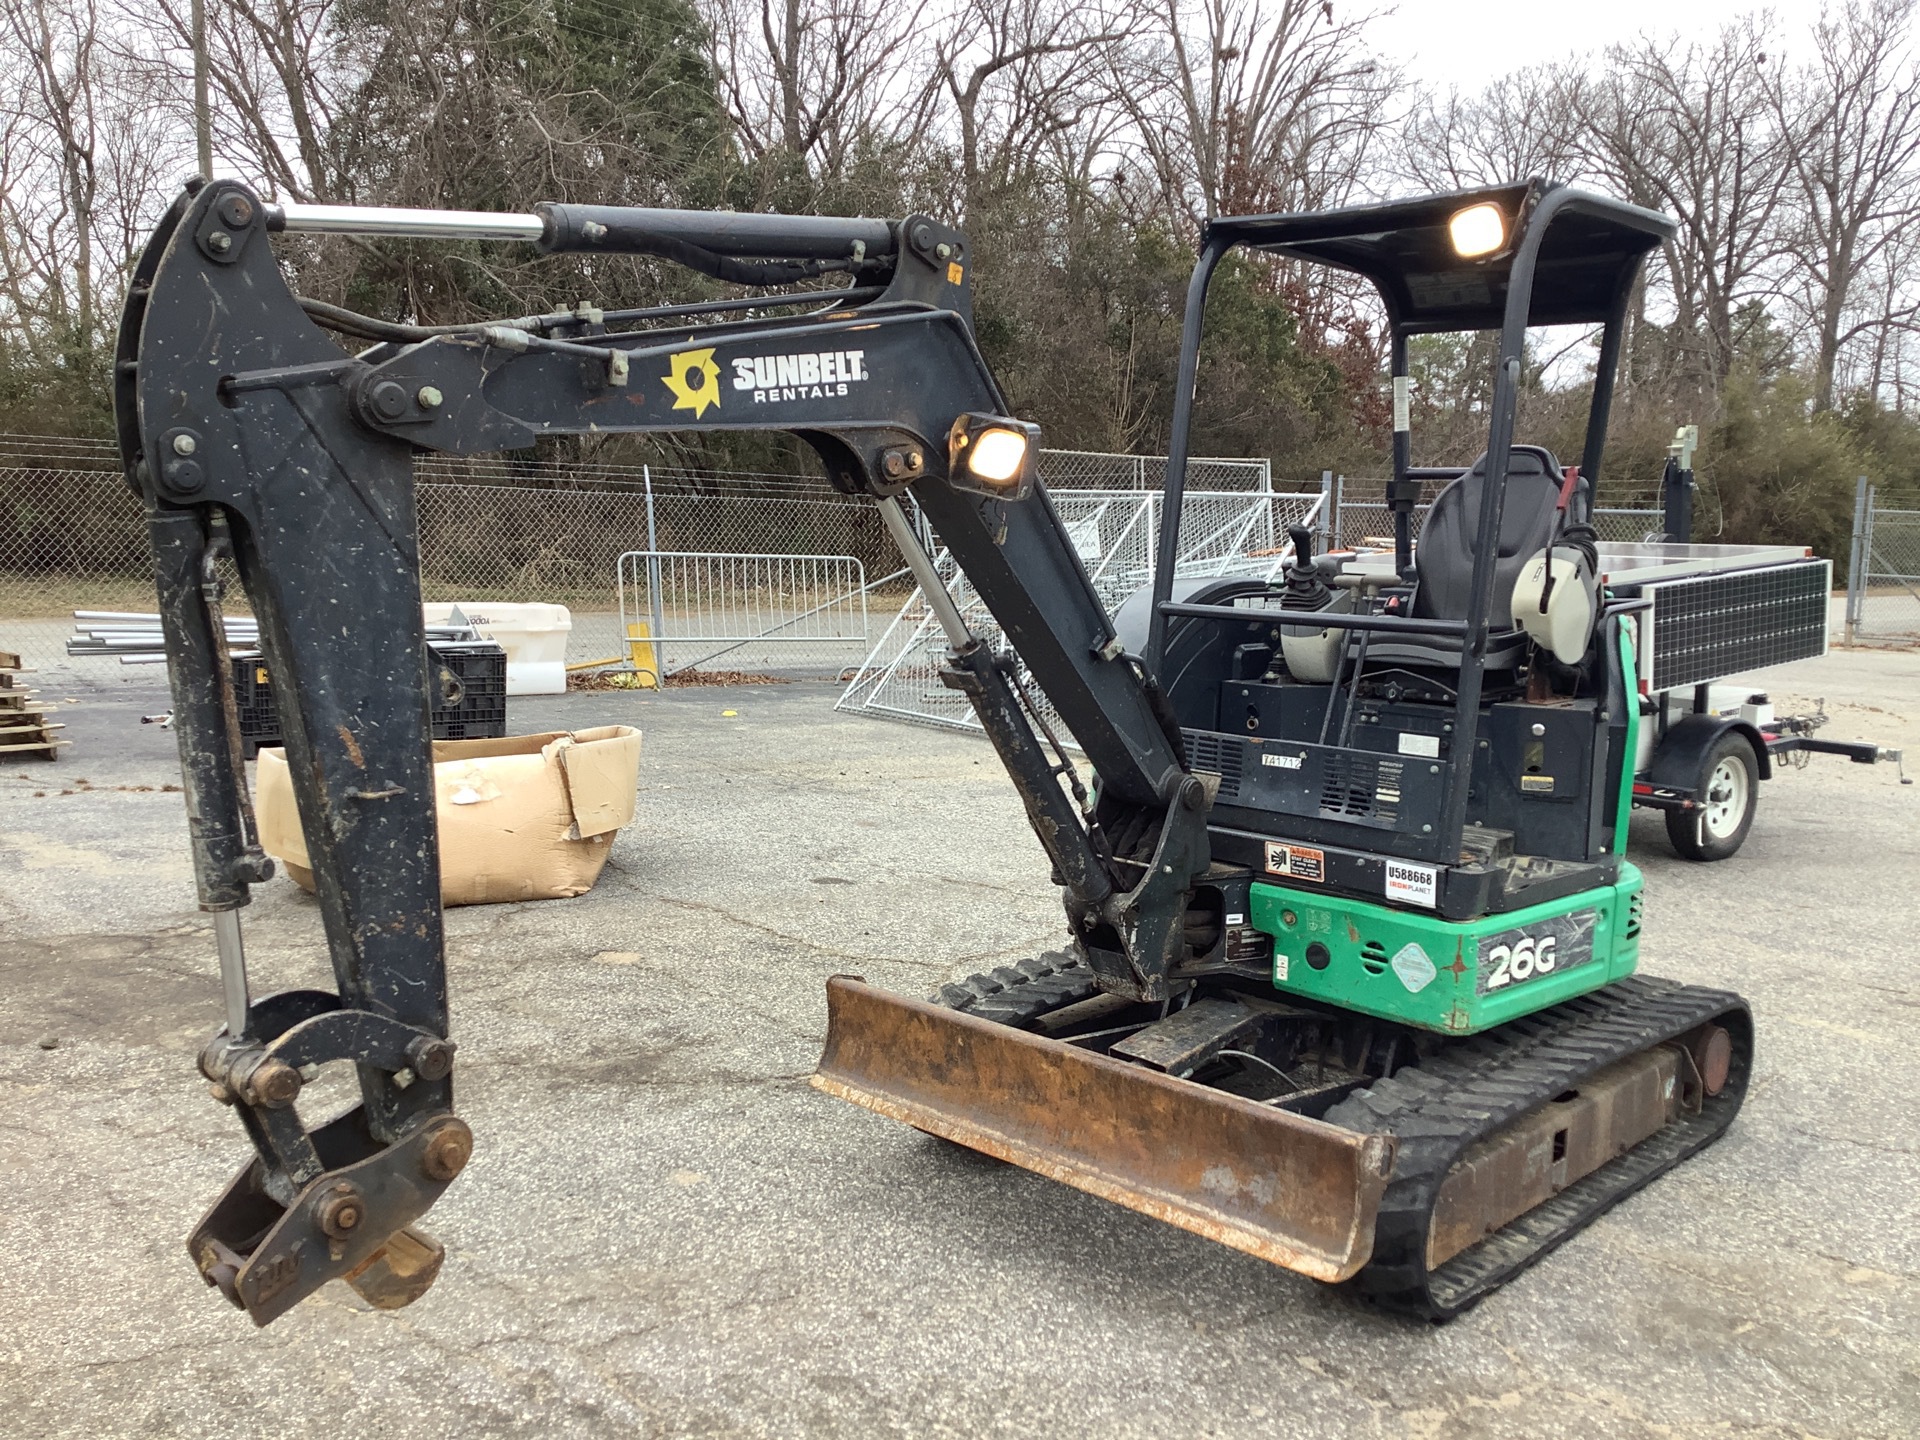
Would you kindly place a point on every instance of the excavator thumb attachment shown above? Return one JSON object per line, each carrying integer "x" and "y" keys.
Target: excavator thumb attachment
{"x": 1298, "y": 1192}
{"x": 352, "y": 1222}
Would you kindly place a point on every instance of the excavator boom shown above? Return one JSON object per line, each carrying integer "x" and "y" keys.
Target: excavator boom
{"x": 251, "y": 434}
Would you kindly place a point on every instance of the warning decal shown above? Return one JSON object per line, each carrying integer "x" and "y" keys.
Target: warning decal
{"x": 1297, "y": 862}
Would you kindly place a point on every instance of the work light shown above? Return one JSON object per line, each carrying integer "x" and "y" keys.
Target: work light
{"x": 993, "y": 455}
{"x": 1478, "y": 230}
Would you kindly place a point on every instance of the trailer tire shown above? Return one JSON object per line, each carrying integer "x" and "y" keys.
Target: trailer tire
{"x": 1729, "y": 791}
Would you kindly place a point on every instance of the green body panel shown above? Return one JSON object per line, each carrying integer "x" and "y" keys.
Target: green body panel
{"x": 1630, "y": 747}
{"x": 1441, "y": 975}
{"x": 1453, "y": 977}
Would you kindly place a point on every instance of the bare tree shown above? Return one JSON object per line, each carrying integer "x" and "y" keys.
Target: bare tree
{"x": 1852, "y": 116}
{"x": 1019, "y": 73}
{"x": 83, "y": 144}
{"x": 1689, "y": 130}
{"x": 1252, "y": 105}
{"x": 279, "y": 74}
{"x": 1519, "y": 126}
{"x": 810, "y": 80}
{"x": 59, "y": 47}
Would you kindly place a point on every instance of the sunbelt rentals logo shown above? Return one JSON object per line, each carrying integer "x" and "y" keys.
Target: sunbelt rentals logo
{"x": 694, "y": 380}
{"x": 813, "y": 375}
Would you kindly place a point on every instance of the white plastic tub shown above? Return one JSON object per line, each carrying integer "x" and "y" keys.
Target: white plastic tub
{"x": 534, "y": 637}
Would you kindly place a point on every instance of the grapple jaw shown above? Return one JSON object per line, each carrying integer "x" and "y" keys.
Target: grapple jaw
{"x": 1295, "y": 1191}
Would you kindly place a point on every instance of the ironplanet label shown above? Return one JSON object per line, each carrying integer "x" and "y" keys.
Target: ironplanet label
{"x": 811, "y": 375}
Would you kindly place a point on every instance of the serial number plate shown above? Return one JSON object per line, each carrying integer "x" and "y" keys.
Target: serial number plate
{"x": 1546, "y": 947}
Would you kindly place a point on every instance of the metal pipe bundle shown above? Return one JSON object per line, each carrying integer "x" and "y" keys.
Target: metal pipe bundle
{"x": 135, "y": 638}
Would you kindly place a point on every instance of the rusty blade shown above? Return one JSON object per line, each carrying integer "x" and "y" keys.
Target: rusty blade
{"x": 1298, "y": 1192}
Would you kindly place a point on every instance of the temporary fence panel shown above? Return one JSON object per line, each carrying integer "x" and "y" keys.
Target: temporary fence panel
{"x": 688, "y": 610}
{"x": 1101, "y": 470}
{"x": 1239, "y": 533}
{"x": 1883, "y": 585}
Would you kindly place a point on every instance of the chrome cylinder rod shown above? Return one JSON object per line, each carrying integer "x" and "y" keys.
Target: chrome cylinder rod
{"x": 393, "y": 220}
{"x": 233, "y": 970}
{"x": 937, "y": 597}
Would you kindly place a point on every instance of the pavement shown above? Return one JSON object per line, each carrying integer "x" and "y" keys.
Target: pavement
{"x": 665, "y": 1231}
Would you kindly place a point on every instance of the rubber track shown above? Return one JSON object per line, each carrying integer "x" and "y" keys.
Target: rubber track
{"x": 1021, "y": 993}
{"x": 1475, "y": 1086}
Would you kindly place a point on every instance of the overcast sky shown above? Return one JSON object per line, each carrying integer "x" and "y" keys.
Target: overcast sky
{"x": 1467, "y": 42}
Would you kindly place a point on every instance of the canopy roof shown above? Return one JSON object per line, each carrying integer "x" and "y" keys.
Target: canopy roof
{"x": 1592, "y": 245}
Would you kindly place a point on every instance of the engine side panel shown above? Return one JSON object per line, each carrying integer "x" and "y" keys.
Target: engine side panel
{"x": 1447, "y": 976}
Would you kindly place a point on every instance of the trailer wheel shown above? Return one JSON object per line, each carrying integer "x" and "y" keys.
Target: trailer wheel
{"x": 1729, "y": 791}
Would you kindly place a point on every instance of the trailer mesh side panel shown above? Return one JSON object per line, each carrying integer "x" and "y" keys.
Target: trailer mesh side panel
{"x": 1719, "y": 625}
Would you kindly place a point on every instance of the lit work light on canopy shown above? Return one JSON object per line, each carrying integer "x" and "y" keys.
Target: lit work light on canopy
{"x": 1478, "y": 230}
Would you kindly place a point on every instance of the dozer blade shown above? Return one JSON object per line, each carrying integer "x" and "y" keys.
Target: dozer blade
{"x": 1298, "y": 1192}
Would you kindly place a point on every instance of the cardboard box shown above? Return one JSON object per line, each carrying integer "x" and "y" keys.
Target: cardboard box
{"x": 527, "y": 817}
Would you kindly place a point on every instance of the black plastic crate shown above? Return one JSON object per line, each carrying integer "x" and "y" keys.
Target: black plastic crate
{"x": 466, "y": 681}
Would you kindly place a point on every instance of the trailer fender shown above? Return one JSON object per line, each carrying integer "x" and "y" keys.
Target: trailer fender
{"x": 1678, "y": 756}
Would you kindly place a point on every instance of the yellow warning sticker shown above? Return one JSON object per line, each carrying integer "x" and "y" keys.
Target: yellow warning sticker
{"x": 955, "y": 274}
{"x": 1297, "y": 862}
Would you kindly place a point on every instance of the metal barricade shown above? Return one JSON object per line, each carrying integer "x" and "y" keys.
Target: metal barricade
{"x": 682, "y": 610}
{"x": 1116, "y": 536}
{"x": 1368, "y": 519}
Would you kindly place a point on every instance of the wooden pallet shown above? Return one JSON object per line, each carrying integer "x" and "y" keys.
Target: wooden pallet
{"x": 25, "y": 728}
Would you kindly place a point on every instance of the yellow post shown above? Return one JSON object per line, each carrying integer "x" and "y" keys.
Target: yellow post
{"x": 640, "y": 653}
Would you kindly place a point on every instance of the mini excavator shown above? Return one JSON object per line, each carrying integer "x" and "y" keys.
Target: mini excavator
{"x": 1348, "y": 975}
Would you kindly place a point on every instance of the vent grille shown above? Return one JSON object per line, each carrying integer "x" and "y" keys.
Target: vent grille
{"x": 1220, "y": 754}
{"x": 1344, "y": 791}
{"x": 1373, "y": 957}
{"x": 1719, "y": 625}
{"x": 1360, "y": 787}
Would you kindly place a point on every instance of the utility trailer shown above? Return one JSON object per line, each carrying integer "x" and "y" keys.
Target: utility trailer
{"x": 1714, "y": 612}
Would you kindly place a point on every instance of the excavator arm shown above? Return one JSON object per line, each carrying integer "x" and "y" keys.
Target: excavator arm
{"x": 251, "y": 434}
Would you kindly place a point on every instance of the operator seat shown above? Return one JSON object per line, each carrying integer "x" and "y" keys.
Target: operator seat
{"x": 1443, "y": 557}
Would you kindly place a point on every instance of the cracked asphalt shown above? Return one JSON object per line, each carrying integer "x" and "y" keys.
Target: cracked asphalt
{"x": 665, "y": 1231}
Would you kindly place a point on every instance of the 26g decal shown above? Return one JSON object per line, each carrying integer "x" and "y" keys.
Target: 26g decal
{"x": 1528, "y": 952}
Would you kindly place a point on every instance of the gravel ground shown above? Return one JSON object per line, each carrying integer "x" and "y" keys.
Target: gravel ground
{"x": 665, "y": 1231}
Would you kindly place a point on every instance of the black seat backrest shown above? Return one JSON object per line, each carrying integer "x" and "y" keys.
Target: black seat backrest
{"x": 1443, "y": 559}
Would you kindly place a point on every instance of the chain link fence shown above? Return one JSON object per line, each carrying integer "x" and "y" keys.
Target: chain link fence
{"x": 491, "y": 529}
{"x": 1883, "y": 584}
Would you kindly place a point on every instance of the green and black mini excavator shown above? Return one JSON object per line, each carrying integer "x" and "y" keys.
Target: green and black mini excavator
{"x": 1348, "y": 978}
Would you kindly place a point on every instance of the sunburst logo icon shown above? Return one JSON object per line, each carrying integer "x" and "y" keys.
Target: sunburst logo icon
{"x": 694, "y": 381}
